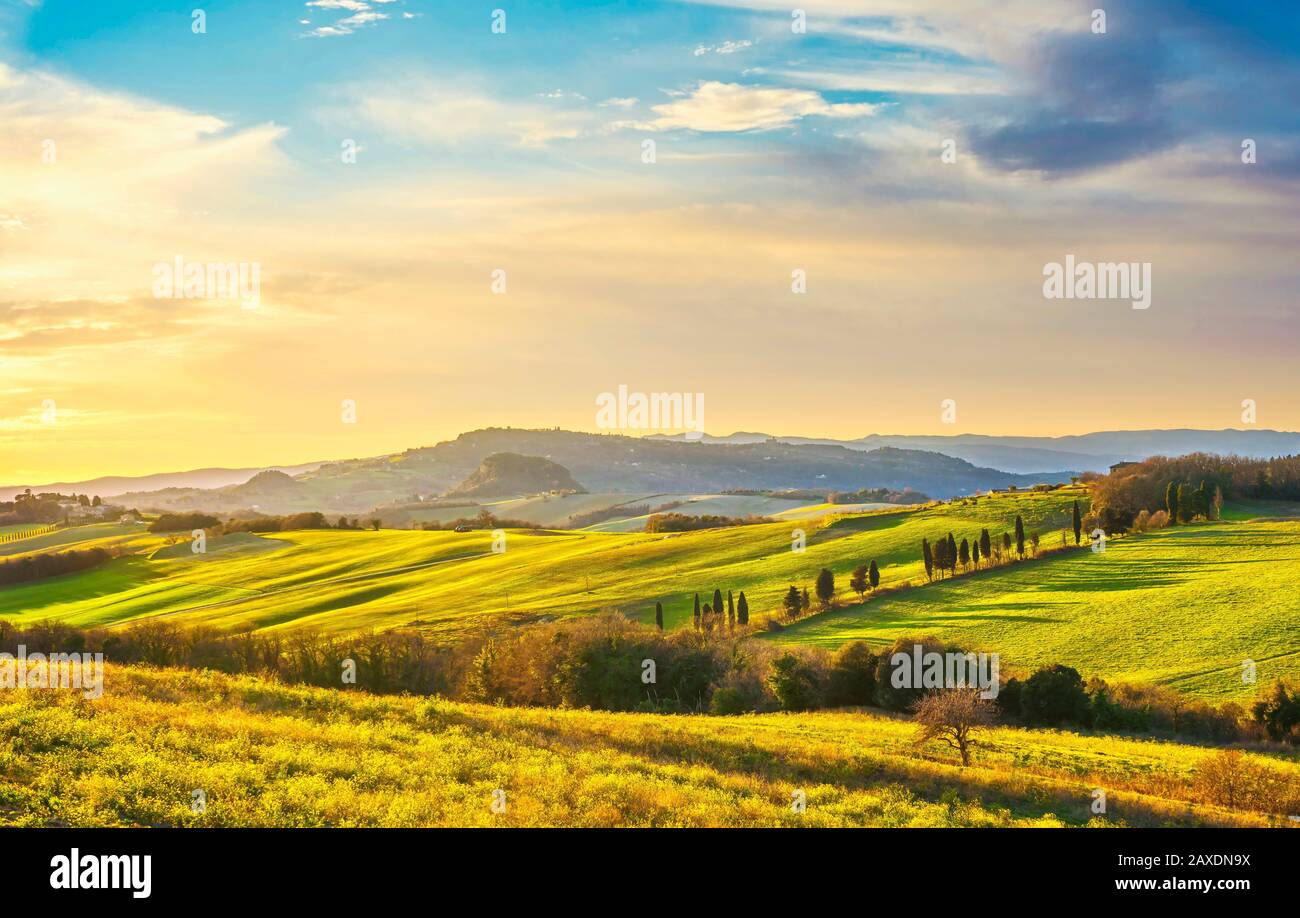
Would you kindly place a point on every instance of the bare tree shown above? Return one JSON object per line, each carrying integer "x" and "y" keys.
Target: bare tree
{"x": 951, "y": 715}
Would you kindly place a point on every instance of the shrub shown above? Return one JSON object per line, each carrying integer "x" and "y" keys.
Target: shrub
{"x": 852, "y": 677}
{"x": 728, "y": 700}
{"x": 1279, "y": 713}
{"x": 897, "y": 698}
{"x": 1054, "y": 695}
{"x": 1231, "y": 779}
{"x": 796, "y": 681}
{"x": 1008, "y": 699}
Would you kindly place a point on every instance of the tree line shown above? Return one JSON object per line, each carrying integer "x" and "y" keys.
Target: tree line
{"x": 51, "y": 564}
{"x": 1189, "y": 487}
{"x": 710, "y": 618}
{"x": 600, "y": 662}
{"x": 946, "y": 557}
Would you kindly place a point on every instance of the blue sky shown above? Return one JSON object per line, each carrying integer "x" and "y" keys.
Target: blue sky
{"x": 775, "y": 150}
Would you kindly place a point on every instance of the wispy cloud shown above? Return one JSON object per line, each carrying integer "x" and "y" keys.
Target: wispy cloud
{"x": 727, "y": 47}
{"x": 730, "y": 107}
{"x": 362, "y": 14}
{"x": 421, "y": 111}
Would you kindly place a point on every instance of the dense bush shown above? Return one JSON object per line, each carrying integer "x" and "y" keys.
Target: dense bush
{"x": 312, "y": 520}
{"x": 681, "y": 522}
{"x": 50, "y": 564}
{"x": 1054, "y": 695}
{"x": 798, "y": 680}
{"x": 852, "y": 676}
{"x": 1279, "y": 713}
{"x": 902, "y": 698}
{"x": 183, "y": 522}
{"x": 387, "y": 663}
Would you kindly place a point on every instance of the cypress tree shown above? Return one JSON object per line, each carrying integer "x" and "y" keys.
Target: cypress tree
{"x": 975, "y": 552}
{"x": 1171, "y": 503}
{"x": 928, "y": 557}
{"x": 791, "y": 603}
{"x": 697, "y": 611}
{"x": 742, "y": 609}
{"x": 825, "y": 586}
{"x": 1078, "y": 524}
{"x": 986, "y": 546}
{"x": 731, "y": 613}
{"x": 1020, "y": 536}
{"x": 659, "y": 616}
{"x": 874, "y": 574}
{"x": 1184, "y": 503}
{"x": 952, "y": 553}
{"x": 858, "y": 582}
{"x": 717, "y": 603}
{"x": 964, "y": 553}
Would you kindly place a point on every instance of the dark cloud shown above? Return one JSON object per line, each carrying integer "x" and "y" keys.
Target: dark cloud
{"x": 1094, "y": 101}
{"x": 1164, "y": 73}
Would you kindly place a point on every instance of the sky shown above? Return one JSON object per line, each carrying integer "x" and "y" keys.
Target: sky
{"x": 833, "y": 220}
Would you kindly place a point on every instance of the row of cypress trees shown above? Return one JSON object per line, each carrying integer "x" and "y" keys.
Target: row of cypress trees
{"x": 945, "y": 554}
{"x": 705, "y": 617}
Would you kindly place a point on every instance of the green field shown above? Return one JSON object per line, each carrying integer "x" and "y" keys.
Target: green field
{"x": 1183, "y": 607}
{"x": 266, "y": 754}
{"x": 452, "y": 582}
{"x": 94, "y": 534}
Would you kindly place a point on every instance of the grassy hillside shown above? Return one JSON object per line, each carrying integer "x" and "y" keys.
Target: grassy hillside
{"x": 103, "y": 535}
{"x": 452, "y": 582}
{"x": 269, "y": 755}
{"x": 1183, "y": 606}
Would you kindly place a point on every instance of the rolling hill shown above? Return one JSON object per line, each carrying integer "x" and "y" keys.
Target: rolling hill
{"x": 603, "y": 463}
{"x": 452, "y": 583}
{"x": 273, "y": 755}
{"x": 510, "y": 474}
{"x": 1183, "y": 607}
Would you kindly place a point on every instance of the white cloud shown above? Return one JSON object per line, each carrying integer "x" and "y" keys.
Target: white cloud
{"x": 727, "y": 47}
{"x": 422, "y": 112}
{"x": 616, "y": 102}
{"x": 362, "y": 12}
{"x": 730, "y": 107}
{"x": 910, "y": 77}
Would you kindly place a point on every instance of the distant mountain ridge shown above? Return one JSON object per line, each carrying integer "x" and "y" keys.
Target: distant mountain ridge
{"x": 941, "y": 466}
{"x": 602, "y": 463}
{"x": 1091, "y": 452}
{"x": 113, "y": 485}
